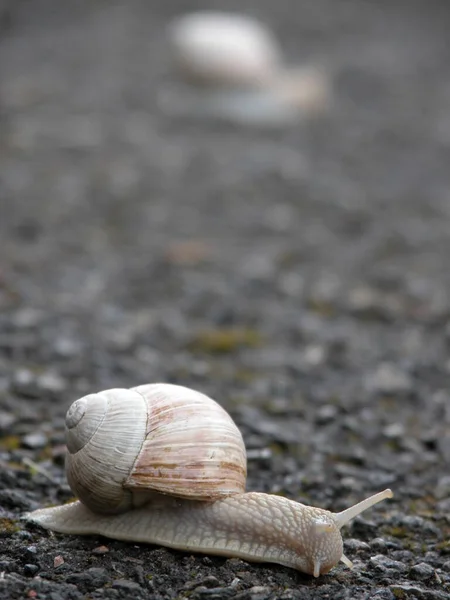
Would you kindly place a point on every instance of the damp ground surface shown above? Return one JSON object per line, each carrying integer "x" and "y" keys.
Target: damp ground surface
{"x": 299, "y": 276}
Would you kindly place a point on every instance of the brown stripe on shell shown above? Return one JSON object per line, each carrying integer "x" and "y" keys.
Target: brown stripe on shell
{"x": 192, "y": 448}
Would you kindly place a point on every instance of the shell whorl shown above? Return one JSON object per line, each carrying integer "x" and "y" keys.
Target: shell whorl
{"x": 125, "y": 445}
{"x": 103, "y": 432}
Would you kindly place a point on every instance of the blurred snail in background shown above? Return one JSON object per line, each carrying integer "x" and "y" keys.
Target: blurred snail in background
{"x": 164, "y": 464}
{"x": 236, "y": 65}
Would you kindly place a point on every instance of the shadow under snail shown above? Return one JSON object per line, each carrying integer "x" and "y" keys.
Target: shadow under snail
{"x": 164, "y": 464}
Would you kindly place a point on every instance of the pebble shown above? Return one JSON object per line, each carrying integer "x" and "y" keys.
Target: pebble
{"x": 389, "y": 379}
{"x": 58, "y": 561}
{"x": 422, "y": 571}
{"x": 394, "y": 431}
{"x": 24, "y": 383}
{"x": 26, "y": 318}
{"x": 130, "y": 587}
{"x": 51, "y": 382}
{"x": 377, "y": 544}
{"x": 403, "y": 556}
{"x": 100, "y": 550}
{"x": 209, "y": 582}
{"x": 257, "y": 592}
{"x": 443, "y": 443}
{"x": 92, "y": 578}
{"x": 381, "y": 594}
{"x": 327, "y": 414}
{"x": 412, "y": 591}
{"x": 355, "y": 545}
{"x": 30, "y": 552}
{"x": 415, "y": 523}
{"x": 385, "y": 564}
{"x": 66, "y": 347}
{"x": 30, "y": 570}
{"x": 7, "y": 420}
{"x": 34, "y": 441}
{"x": 215, "y": 593}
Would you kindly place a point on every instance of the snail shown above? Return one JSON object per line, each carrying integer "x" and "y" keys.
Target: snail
{"x": 164, "y": 464}
{"x": 235, "y": 71}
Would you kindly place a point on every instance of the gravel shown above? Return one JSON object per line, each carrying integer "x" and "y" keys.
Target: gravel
{"x": 299, "y": 275}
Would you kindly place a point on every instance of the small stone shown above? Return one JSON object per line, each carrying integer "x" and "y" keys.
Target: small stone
{"x": 327, "y": 413}
{"x": 209, "y": 582}
{"x": 126, "y": 585}
{"x": 313, "y": 355}
{"x": 6, "y": 420}
{"x": 356, "y": 545}
{"x": 67, "y": 347}
{"x": 30, "y": 552}
{"x": 422, "y": 571}
{"x": 34, "y": 440}
{"x": 443, "y": 443}
{"x": 30, "y": 570}
{"x": 92, "y": 578}
{"x": 394, "y": 431}
{"x": 100, "y": 550}
{"x": 411, "y": 591}
{"x": 443, "y": 487}
{"x": 415, "y": 523}
{"x": 58, "y": 561}
{"x": 257, "y": 592}
{"x": 446, "y": 566}
{"x": 24, "y": 383}
{"x": 378, "y": 544}
{"x": 403, "y": 556}
{"x": 259, "y": 454}
{"x": 432, "y": 557}
{"x": 98, "y": 575}
{"x": 27, "y": 317}
{"x": 389, "y": 379}
{"x": 51, "y": 382}
{"x": 381, "y": 594}
{"x": 384, "y": 564}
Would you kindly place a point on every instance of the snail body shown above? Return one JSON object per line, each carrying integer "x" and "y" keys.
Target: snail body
{"x": 172, "y": 492}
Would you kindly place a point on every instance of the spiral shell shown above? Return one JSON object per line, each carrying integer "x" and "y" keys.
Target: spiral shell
{"x": 123, "y": 446}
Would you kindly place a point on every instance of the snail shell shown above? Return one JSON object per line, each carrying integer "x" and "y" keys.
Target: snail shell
{"x": 221, "y": 49}
{"x": 159, "y": 438}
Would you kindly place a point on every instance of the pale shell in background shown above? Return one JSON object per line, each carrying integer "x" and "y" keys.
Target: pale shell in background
{"x": 233, "y": 71}
{"x": 220, "y": 49}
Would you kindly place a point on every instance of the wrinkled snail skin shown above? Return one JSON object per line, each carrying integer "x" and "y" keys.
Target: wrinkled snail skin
{"x": 253, "y": 526}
